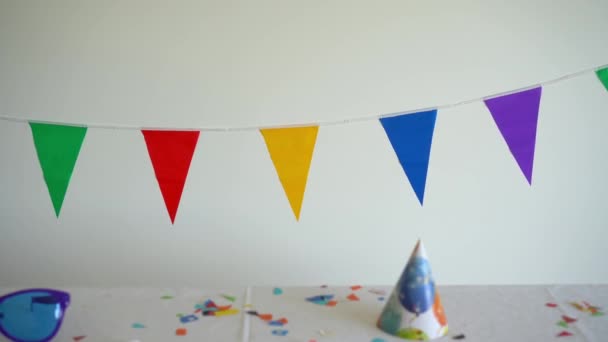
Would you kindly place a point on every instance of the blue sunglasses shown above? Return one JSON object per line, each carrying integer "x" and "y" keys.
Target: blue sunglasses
{"x": 32, "y": 315}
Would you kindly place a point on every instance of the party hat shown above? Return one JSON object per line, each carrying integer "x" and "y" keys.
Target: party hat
{"x": 414, "y": 309}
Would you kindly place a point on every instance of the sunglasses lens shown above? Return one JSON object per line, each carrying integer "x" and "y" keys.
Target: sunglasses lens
{"x": 32, "y": 316}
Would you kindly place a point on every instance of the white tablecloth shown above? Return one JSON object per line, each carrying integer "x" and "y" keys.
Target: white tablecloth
{"x": 481, "y": 313}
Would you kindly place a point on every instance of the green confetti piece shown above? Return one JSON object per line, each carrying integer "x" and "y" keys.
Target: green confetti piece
{"x": 137, "y": 326}
{"x": 180, "y": 315}
{"x": 563, "y": 324}
{"x": 599, "y": 313}
{"x": 166, "y": 297}
{"x": 230, "y": 298}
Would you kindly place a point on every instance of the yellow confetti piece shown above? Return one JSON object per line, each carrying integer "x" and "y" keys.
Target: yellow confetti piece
{"x": 248, "y": 306}
{"x": 227, "y": 312}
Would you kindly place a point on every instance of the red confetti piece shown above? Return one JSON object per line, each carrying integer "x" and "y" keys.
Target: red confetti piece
{"x": 352, "y": 297}
{"x": 283, "y": 320}
{"x": 181, "y": 332}
{"x": 224, "y": 308}
{"x": 198, "y": 310}
{"x": 78, "y": 338}
{"x": 568, "y": 319}
{"x": 564, "y": 334}
{"x": 332, "y": 303}
{"x": 356, "y": 287}
{"x": 551, "y": 305}
{"x": 265, "y": 317}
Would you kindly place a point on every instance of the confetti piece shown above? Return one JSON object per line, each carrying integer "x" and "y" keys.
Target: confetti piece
{"x": 380, "y": 298}
{"x": 586, "y": 307}
{"x": 265, "y": 317}
{"x": 325, "y": 332}
{"x": 180, "y": 315}
{"x": 188, "y": 319}
{"x": 276, "y": 323}
{"x": 181, "y": 332}
{"x": 320, "y": 299}
{"x": 568, "y": 319}
{"x": 323, "y": 286}
{"x": 378, "y": 292}
{"x": 226, "y": 312}
{"x": 137, "y": 326}
{"x": 280, "y": 332}
{"x": 312, "y": 340}
{"x": 230, "y": 298}
{"x": 564, "y": 333}
{"x": 353, "y": 297}
{"x": 208, "y": 313}
{"x": 251, "y": 312}
{"x": 277, "y": 291}
{"x": 332, "y": 303}
{"x": 166, "y": 297}
{"x": 551, "y": 305}
{"x": 458, "y": 337}
{"x": 283, "y": 320}
{"x": 563, "y": 324}
{"x": 210, "y": 304}
{"x": 78, "y": 338}
{"x": 599, "y": 313}
{"x": 246, "y": 306}
{"x": 378, "y": 339}
{"x": 224, "y": 308}
{"x": 356, "y": 287}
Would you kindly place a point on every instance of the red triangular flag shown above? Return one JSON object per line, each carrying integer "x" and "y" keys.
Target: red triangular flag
{"x": 564, "y": 334}
{"x": 171, "y": 154}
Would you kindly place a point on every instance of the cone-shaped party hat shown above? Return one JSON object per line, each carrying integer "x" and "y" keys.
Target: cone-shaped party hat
{"x": 414, "y": 309}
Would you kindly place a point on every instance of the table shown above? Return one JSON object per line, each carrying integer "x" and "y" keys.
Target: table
{"x": 481, "y": 313}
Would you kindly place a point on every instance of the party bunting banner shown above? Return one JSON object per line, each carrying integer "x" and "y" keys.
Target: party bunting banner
{"x": 602, "y": 74}
{"x": 57, "y": 147}
{"x": 291, "y": 148}
{"x": 171, "y": 153}
{"x": 291, "y": 152}
{"x": 411, "y": 136}
{"x": 516, "y": 116}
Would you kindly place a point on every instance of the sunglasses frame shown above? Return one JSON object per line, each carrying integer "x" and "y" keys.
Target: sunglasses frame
{"x": 64, "y": 302}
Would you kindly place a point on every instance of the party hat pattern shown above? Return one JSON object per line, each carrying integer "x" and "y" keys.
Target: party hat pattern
{"x": 414, "y": 310}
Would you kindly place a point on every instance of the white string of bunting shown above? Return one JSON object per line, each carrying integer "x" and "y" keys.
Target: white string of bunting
{"x": 318, "y": 123}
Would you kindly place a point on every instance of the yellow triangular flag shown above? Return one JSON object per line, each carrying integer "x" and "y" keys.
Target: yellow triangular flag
{"x": 291, "y": 152}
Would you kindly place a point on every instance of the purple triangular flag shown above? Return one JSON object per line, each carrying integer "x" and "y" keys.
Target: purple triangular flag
{"x": 516, "y": 116}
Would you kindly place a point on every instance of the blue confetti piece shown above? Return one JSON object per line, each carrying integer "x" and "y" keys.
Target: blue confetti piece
{"x": 321, "y": 299}
{"x": 380, "y": 298}
{"x": 280, "y": 332}
{"x": 277, "y": 291}
{"x": 378, "y": 339}
{"x": 188, "y": 319}
{"x": 276, "y": 323}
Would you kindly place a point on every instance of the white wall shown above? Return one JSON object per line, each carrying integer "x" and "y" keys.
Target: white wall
{"x": 220, "y": 63}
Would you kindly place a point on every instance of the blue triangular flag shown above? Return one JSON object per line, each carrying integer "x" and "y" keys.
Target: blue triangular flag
{"x": 411, "y": 136}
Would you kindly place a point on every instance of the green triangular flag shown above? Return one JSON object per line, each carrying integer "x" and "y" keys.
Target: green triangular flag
{"x": 57, "y": 147}
{"x": 602, "y": 74}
